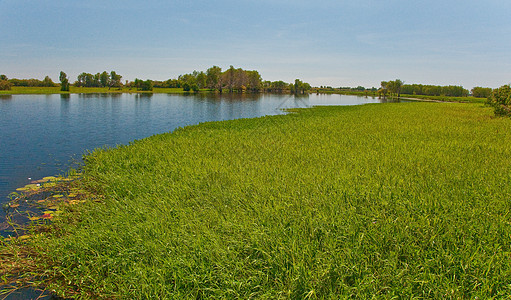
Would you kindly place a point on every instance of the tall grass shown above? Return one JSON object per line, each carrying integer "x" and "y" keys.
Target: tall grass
{"x": 403, "y": 200}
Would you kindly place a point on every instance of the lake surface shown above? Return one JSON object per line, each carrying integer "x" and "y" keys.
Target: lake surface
{"x": 45, "y": 135}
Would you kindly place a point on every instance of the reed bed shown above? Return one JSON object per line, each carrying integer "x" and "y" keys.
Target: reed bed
{"x": 406, "y": 200}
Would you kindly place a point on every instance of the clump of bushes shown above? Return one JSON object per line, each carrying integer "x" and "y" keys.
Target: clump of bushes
{"x": 142, "y": 85}
{"x": 4, "y": 83}
{"x": 500, "y": 100}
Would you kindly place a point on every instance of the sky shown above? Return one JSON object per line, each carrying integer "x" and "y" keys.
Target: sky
{"x": 323, "y": 42}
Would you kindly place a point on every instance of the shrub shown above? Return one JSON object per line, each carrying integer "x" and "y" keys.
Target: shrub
{"x": 146, "y": 85}
{"x": 5, "y": 85}
{"x": 500, "y": 100}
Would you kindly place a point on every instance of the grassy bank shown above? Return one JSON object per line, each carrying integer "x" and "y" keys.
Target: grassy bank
{"x": 388, "y": 200}
{"x": 83, "y": 90}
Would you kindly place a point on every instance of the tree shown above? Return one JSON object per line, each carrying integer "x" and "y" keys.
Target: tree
{"x": 201, "y": 80}
{"x": 393, "y": 87}
{"x": 104, "y": 79}
{"x": 115, "y": 80}
{"x": 96, "y": 82}
{"x": 143, "y": 85}
{"x": 500, "y": 100}
{"x": 278, "y": 86}
{"x": 384, "y": 89}
{"x": 85, "y": 80}
{"x": 4, "y": 83}
{"x": 300, "y": 87}
{"x": 397, "y": 84}
{"x": 229, "y": 78}
{"x": 255, "y": 82}
{"x": 47, "y": 82}
{"x": 481, "y": 92}
{"x": 213, "y": 78}
{"x": 64, "y": 83}
{"x": 240, "y": 80}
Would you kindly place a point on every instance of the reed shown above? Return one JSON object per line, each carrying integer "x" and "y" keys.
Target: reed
{"x": 407, "y": 200}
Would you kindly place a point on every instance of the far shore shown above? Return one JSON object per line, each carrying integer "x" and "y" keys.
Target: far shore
{"x": 20, "y": 90}
{"x": 17, "y": 90}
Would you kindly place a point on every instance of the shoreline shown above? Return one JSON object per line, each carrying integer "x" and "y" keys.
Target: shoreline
{"x": 81, "y": 90}
{"x": 206, "y": 204}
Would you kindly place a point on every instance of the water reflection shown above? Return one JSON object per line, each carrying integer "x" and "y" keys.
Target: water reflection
{"x": 100, "y": 95}
{"x": 5, "y": 97}
{"x": 142, "y": 96}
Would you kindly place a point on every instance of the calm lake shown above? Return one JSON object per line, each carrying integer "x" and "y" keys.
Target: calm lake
{"x": 44, "y": 135}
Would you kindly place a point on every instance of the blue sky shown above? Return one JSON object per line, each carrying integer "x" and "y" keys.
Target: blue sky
{"x": 323, "y": 42}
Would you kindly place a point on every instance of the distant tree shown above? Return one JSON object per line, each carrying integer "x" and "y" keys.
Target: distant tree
{"x": 201, "y": 80}
{"x": 255, "y": 82}
{"x": 278, "y": 86}
{"x": 97, "y": 82}
{"x": 500, "y": 100}
{"x": 384, "y": 89}
{"x": 229, "y": 77}
{"x": 395, "y": 87}
{"x": 64, "y": 83}
{"x": 143, "y": 85}
{"x": 115, "y": 80}
{"x": 187, "y": 80}
{"x": 4, "y": 83}
{"x": 481, "y": 92}
{"x": 104, "y": 79}
{"x": 83, "y": 80}
{"x": 213, "y": 78}
{"x": 300, "y": 87}
{"x": 47, "y": 82}
{"x": 240, "y": 80}
{"x": 434, "y": 90}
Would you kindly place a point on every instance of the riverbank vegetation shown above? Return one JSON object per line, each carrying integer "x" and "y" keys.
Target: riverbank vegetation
{"x": 395, "y": 200}
{"x": 232, "y": 80}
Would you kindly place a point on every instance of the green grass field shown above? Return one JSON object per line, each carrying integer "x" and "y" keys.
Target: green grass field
{"x": 396, "y": 200}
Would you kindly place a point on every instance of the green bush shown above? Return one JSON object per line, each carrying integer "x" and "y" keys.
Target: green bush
{"x": 500, "y": 100}
{"x": 5, "y": 85}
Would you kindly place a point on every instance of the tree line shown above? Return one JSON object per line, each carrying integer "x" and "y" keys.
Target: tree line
{"x": 397, "y": 87}
{"x": 103, "y": 79}
{"x": 434, "y": 90}
{"x": 231, "y": 80}
{"x": 235, "y": 80}
{"x": 7, "y": 83}
{"x": 481, "y": 92}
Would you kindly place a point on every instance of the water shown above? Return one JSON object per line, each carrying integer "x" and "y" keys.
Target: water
{"x": 44, "y": 135}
